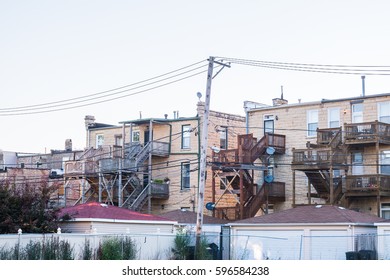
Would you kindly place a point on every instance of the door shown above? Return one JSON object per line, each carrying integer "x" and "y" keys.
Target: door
{"x": 146, "y": 137}
{"x": 269, "y": 124}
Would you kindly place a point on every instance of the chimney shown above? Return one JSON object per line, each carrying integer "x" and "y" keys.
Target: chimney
{"x": 89, "y": 120}
{"x": 281, "y": 100}
{"x": 68, "y": 145}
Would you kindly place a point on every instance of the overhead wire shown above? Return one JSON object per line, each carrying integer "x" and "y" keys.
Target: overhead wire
{"x": 315, "y": 68}
{"x": 109, "y": 97}
{"x": 107, "y": 91}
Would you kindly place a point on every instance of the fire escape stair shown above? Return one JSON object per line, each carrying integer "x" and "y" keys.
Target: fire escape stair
{"x": 254, "y": 150}
{"x": 320, "y": 180}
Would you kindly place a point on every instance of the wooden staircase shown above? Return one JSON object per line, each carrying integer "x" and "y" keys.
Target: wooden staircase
{"x": 239, "y": 162}
{"x": 318, "y": 160}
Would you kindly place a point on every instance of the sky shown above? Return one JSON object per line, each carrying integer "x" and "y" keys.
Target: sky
{"x": 79, "y": 51}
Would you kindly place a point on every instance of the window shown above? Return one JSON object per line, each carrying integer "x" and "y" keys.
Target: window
{"x": 223, "y": 137}
{"x": 357, "y": 163}
{"x": 118, "y": 140}
{"x": 385, "y": 162}
{"x": 357, "y": 113}
{"x": 384, "y": 112}
{"x": 385, "y": 210}
{"x": 185, "y": 136}
{"x": 312, "y": 123}
{"x": 135, "y": 136}
{"x": 99, "y": 140}
{"x": 333, "y": 117}
{"x": 185, "y": 176}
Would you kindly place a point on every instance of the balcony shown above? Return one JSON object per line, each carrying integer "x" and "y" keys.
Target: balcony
{"x": 368, "y": 185}
{"x": 160, "y": 190}
{"x": 321, "y": 158}
{"x": 367, "y": 132}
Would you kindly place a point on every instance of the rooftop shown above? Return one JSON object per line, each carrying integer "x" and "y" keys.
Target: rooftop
{"x": 96, "y": 210}
{"x": 189, "y": 217}
{"x": 314, "y": 214}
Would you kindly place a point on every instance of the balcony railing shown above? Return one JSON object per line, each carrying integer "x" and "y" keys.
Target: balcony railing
{"x": 367, "y": 184}
{"x": 249, "y": 149}
{"x": 160, "y": 190}
{"x": 320, "y": 156}
{"x": 367, "y": 132}
{"x": 329, "y": 137}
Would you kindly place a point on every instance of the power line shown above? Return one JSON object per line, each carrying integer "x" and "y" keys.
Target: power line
{"x": 315, "y": 68}
{"x": 109, "y": 97}
{"x": 9, "y": 109}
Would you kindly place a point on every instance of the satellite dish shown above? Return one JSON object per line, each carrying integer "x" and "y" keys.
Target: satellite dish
{"x": 270, "y": 150}
{"x": 216, "y": 149}
{"x": 210, "y": 206}
{"x": 199, "y": 95}
{"x": 269, "y": 178}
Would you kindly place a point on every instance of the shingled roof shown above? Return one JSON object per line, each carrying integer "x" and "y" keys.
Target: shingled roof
{"x": 189, "y": 217}
{"x": 314, "y": 214}
{"x": 95, "y": 210}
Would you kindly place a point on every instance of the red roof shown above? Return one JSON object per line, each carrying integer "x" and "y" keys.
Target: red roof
{"x": 189, "y": 217}
{"x": 315, "y": 214}
{"x": 96, "y": 210}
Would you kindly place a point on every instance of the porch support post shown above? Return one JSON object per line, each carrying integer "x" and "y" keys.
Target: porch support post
{"x": 242, "y": 199}
{"x": 293, "y": 188}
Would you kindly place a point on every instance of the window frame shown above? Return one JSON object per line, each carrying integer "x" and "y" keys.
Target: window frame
{"x": 381, "y": 114}
{"x": 186, "y": 136}
{"x": 185, "y": 176}
{"x": 331, "y": 113}
{"x": 223, "y": 137}
{"x": 99, "y": 140}
{"x": 311, "y": 121}
{"x": 385, "y": 207}
{"x": 357, "y": 114}
{"x": 135, "y": 136}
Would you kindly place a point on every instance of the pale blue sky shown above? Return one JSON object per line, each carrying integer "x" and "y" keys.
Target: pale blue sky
{"x": 55, "y": 50}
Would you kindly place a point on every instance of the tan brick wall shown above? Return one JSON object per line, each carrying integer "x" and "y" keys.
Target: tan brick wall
{"x": 292, "y": 122}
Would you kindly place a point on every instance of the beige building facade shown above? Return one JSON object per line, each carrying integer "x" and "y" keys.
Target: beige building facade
{"x": 337, "y": 151}
{"x": 149, "y": 165}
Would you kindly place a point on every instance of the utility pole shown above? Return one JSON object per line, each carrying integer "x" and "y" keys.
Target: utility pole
{"x": 203, "y": 153}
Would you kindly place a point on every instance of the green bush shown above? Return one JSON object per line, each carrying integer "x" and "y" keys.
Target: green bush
{"x": 115, "y": 248}
{"x": 32, "y": 251}
{"x": 87, "y": 252}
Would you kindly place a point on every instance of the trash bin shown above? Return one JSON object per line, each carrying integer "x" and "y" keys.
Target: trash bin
{"x": 367, "y": 255}
{"x": 352, "y": 255}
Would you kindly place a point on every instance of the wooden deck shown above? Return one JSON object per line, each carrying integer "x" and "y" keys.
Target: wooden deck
{"x": 367, "y": 132}
{"x": 367, "y": 185}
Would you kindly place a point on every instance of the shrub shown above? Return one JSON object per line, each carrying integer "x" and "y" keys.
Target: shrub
{"x": 115, "y": 248}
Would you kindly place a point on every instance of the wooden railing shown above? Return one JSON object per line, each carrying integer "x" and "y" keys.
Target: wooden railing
{"x": 367, "y": 132}
{"x": 329, "y": 136}
{"x": 249, "y": 149}
{"x": 320, "y": 156}
{"x": 367, "y": 183}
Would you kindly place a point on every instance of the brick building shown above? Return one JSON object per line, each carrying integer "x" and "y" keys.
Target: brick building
{"x": 337, "y": 151}
{"x": 149, "y": 165}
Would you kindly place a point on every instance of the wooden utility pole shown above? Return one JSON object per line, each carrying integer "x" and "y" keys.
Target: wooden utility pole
{"x": 203, "y": 153}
